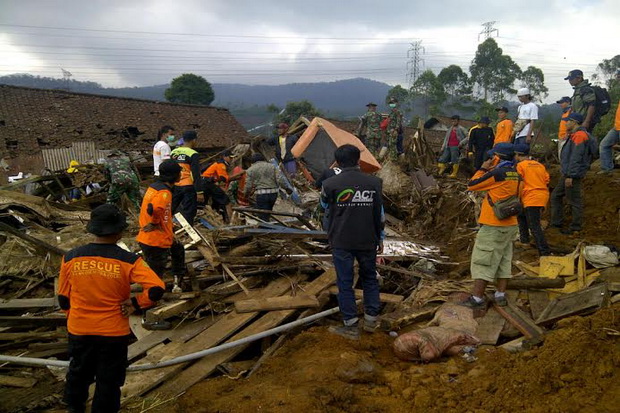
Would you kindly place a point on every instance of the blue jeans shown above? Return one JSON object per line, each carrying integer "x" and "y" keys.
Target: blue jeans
{"x": 399, "y": 144}
{"x": 612, "y": 138}
{"x": 343, "y": 261}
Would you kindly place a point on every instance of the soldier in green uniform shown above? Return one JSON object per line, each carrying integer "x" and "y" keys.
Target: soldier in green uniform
{"x": 370, "y": 128}
{"x": 122, "y": 178}
{"x": 394, "y": 127}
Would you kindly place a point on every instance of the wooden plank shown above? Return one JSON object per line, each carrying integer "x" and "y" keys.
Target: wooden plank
{"x": 611, "y": 286}
{"x": 575, "y": 303}
{"x": 490, "y": 326}
{"x": 551, "y": 269}
{"x": 567, "y": 262}
{"x": 207, "y": 365}
{"x": 51, "y": 320}
{"x": 519, "y": 320}
{"x": 138, "y": 383}
{"x": 13, "y": 381}
{"x": 38, "y": 335}
{"x": 36, "y": 242}
{"x": 27, "y": 303}
{"x": 513, "y": 346}
{"x": 527, "y": 268}
{"x": 539, "y": 300}
{"x": 234, "y": 277}
{"x": 276, "y": 303}
{"x": 411, "y": 273}
{"x": 581, "y": 268}
{"x": 383, "y": 297}
{"x": 168, "y": 310}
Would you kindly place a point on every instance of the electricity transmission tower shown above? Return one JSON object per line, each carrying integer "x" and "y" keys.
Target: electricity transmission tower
{"x": 488, "y": 30}
{"x": 66, "y": 77}
{"x": 415, "y": 63}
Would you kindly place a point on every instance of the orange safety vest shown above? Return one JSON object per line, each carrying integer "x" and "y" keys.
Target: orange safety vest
{"x": 503, "y": 132}
{"x": 535, "y": 178}
{"x": 156, "y": 209}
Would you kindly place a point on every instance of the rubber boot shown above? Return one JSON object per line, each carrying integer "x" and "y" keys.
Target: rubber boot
{"x": 442, "y": 168}
{"x": 455, "y": 171}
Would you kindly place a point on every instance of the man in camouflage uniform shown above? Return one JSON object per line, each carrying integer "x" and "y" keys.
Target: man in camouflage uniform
{"x": 394, "y": 128}
{"x": 584, "y": 99}
{"x": 122, "y": 178}
{"x": 370, "y": 128}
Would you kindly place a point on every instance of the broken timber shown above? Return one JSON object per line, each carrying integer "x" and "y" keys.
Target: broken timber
{"x": 276, "y": 303}
{"x": 383, "y": 297}
{"x": 575, "y": 303}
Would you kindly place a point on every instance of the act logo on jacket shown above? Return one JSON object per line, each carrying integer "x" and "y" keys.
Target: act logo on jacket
{"x": 355, "y": 196}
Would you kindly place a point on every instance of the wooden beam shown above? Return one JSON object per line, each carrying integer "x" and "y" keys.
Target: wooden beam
{"x": 14, "y": 381}
{"x": 575, "y": 303}
{"x": 404, "y": 317}
{"x": 207, "y": 365}
{"x": 519, "y": 320}
{"x": 34, "y": 241}
{"x": 234, "y": 277}
{"x": 27, "y": 303}
{"x": 383, "y": 297}
{"x": 535, "y": 283}
{"x": 39, "y": 335}
{"x": 276, "y": 303}
{"x": 168, "y": 310}
{"x": 410, "y": 273}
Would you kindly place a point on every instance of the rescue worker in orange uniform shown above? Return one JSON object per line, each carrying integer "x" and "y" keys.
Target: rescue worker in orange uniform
{"x": 491, "y": 260}
{"x": 534, "y": 197}
{"x": 156, "y": 236}
{"x": 189, "y": 188}
{"x": 94, "y": 290}
{"x": 216, "y": 181}
{"x": 503, "y": 129}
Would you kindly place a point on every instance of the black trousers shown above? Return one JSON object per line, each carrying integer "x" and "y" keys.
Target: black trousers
{"x": 480, "y": 155}
{"x": 157, "y": 258}
{"x": 98, "y": 359}
{"x": 218, "y": 198}
{"x": 529, "y": 222}
{"x": 266, "y": 201}
{"x": 185, "y": 201}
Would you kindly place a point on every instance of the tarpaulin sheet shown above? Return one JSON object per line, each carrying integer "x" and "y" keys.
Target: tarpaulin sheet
{"x": 319, "y": 157}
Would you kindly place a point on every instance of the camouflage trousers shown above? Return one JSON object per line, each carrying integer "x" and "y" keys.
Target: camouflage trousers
{"x": 132, "y": 190}
{"x": 392, "y": 137}
{"x": 373, "y": 143}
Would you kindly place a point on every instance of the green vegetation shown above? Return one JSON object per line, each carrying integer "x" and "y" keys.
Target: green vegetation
{"x": 191, "y": 89}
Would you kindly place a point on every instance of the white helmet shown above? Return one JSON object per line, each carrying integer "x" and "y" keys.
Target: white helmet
{"x": 523, "y": 91}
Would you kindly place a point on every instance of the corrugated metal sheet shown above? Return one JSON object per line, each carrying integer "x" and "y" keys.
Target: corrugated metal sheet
{"x": 83, "y": 152}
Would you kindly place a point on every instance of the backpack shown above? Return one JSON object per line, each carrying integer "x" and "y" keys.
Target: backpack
{"x": 592, "y": 147}
{"x": 603, "y": 102}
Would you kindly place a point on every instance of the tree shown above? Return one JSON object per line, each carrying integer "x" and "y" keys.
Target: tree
{"x": 494, "y": 72}
{"x": 534, "y": 79}
{"x": 400, "y": 93}
{"x": 294, "y": 110}
{"x": 607, "y": 69}
{"x": 428, "y": 87}
{"x": 455, "y": 81}
{"x": 190, "y": 88}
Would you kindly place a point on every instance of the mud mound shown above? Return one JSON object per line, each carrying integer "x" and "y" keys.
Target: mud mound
{"x": 396, "y": 183}
{"x": 576, "y": 370}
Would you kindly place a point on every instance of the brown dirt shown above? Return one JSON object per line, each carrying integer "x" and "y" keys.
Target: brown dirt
{"x": 576, "y": 370}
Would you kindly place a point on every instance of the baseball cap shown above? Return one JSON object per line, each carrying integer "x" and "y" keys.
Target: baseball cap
{"x": 485, "y": 120}
{"x": 502, "y": 109}
{"x": 505, "y": 150}
{"x": 371, "y": 104}
{"x": 564, "y": 99}
{"x": 522, "y": 148}
{"x": 573, "y": 74}
{"x": 574, "y": 116}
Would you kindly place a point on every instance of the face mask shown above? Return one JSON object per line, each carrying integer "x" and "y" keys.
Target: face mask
{"x": 170, "y": 138}
{"x": 392, "y": 105}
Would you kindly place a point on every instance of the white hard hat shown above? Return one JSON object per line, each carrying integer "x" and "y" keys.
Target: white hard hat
{"x": 523, "y": 91}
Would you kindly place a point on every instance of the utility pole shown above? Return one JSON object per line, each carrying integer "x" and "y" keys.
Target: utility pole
{"x": 488, "y": 30}
{"x": 415, "y": 63}
{"x": 66, "y": 77}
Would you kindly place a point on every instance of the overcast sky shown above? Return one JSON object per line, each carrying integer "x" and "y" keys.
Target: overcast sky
{"x": 140, "y": 42}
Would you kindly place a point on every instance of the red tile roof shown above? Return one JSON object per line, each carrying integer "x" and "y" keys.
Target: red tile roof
{"x": 32, "y": 119}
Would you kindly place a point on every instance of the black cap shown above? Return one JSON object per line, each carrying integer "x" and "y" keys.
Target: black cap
{"x": 455, "y": 117}
{"x": 502, "y": 109}
{"x": 190, "y": 135}
{"x": 106, "y": 219}
{"x": 371, "y": 104}
{"x": 169, "y": 171}
{"x": 573, "y": 74}
{"x": 485, "y": 120}
{"x": 564, "y": 99}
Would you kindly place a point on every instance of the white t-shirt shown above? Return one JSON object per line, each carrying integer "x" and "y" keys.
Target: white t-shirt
{"x": 161, "y": 152}
{"x": 527, "y": 111}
